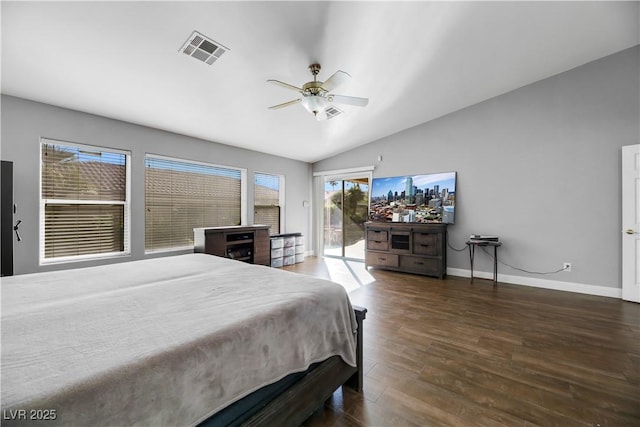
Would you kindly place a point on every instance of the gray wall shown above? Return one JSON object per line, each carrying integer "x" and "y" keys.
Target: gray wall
{"x": 24, "y": 122}
{"x": 540, "y": 167}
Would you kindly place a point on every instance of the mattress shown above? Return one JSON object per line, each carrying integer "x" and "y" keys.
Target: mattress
{"x": 167, "y": 341}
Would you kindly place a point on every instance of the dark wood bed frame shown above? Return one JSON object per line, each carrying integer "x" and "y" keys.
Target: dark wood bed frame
{"x": 299, "y": 401}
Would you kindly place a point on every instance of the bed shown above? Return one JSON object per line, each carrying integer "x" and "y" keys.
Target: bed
{"x": 174, "y": 341}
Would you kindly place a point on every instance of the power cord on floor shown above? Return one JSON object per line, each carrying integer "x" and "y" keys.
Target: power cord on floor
{"x": 522, "y": 269}
{"x": 504, "y": 263}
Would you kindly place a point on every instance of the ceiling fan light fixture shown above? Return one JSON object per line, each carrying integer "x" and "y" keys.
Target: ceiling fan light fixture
{"x": 317, "y": 97}
{"x": 314, "y": 103}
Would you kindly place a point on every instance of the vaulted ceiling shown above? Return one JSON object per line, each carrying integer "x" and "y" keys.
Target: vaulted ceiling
{"x": 415, "y": 61}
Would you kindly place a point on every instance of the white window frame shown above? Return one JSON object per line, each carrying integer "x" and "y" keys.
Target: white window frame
{"x": 281, "y": 195}
{"x": 243, "y": 194}
{"x": 319, "y": 179}
{"x": 44, "y": 202}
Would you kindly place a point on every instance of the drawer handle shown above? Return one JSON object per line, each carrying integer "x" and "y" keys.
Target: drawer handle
{"x": 418, "y": 262}
{"x": 377, "y": 241}
{"x": 381, "y": 259}
{"x": 425, "y": 245}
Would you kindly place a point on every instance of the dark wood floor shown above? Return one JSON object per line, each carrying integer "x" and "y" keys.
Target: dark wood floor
{"x": 450, "y": 353}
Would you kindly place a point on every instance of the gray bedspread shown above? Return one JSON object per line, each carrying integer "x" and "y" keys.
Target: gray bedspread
{"x": 160, "y": 342}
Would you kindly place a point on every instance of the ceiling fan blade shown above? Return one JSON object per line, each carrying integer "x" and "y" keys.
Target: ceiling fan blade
{"x": 285, "y": 104}
{"x": 285, "y": 85}
{"x": 338, "y": 78}
{"x": 349, "y": 100}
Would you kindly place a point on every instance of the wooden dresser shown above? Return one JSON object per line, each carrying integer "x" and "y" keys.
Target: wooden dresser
{"x": 408, "y": 247}
{"x": 244, "y": 243}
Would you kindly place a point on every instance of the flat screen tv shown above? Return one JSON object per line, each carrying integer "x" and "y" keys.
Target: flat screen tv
{"x": 414, "y": 198}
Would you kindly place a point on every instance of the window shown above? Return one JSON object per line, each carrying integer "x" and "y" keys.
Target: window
{"x": 181, "y": 195}
{"x": 84, "y": 202}
{"x": 267, "y": 201}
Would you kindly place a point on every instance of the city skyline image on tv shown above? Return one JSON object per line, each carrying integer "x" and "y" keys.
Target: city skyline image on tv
{"x": 414, "y": 198}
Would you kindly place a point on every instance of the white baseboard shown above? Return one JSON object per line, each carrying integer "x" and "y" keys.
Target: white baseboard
{"x": 558, "y": 285}
{"x": 581, "y": 288}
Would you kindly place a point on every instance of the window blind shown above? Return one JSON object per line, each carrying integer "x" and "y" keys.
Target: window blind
{"x": 182, "y": 195}
{"x": 266, "y": 200}
{"x": 84, "y": 206}
{"x": 72, "y": 230}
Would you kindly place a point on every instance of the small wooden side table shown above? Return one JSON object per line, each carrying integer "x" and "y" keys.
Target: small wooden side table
{"x": 472, "y": 252}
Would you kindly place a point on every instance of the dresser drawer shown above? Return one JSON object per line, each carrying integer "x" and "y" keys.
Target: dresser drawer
{"x": 377, "y": 235}
{"x": 430, "y": 266}
{"x": 382, "y": 260}
{"x": 378, "y": 245}
{"x": 427, "y": 244}
{"x": 378, "y": 240}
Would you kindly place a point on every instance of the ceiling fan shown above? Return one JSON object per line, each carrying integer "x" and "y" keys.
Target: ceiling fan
{"x": 316, "y": 96}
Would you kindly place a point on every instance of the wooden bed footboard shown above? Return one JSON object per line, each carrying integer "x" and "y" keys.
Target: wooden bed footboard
{"x": 298, "y": 402}
{"x": 356, "y": 380}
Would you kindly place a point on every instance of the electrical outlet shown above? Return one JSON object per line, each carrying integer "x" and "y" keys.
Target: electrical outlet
{"x": 566, "y": 266}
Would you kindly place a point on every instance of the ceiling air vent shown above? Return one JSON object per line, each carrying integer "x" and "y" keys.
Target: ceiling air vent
{"x": 203, "y": 48}
{"x": 332, "y": 112}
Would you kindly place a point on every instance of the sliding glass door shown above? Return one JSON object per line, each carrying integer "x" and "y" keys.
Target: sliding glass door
{"x": 346, "y": 208}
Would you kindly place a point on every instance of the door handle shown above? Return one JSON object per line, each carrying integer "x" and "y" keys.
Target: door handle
{"x": 15, "y": 228}
{"x": 630, "y": 231}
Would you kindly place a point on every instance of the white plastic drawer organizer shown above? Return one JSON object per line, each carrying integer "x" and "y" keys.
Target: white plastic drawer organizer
{"x": 287, "y": 249}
